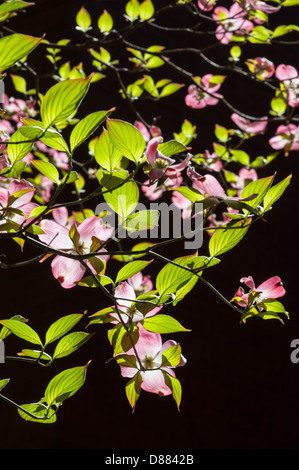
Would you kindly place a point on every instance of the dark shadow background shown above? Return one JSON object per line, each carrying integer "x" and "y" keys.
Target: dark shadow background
{"x": 240, "y": 388}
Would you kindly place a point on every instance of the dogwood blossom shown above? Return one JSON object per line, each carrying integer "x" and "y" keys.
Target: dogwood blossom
{"x": 286, "y": 138}
{"x": 289, "y": 77}
{"x": 270, "y": 289}
{"x": 262, "y": 67}
{"x": 150, "y": 351}
{"x": 248, "y": 126}
{"x": 231, "y": 22}
{"x": 160, "y": 164}
{"x": 199, "y": 97}
{"x": 69, "y": 271}
{"x": 15, "y": 202}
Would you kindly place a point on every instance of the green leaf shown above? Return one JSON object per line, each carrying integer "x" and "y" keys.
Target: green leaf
{"x": 275, "y": 192}
{"x": 221, "y": 133}
{"x": 62, "y": 326}
{"x": 172, "y": 278}
{"x": 126, "y": 138}
{"x": 132, "y": 9}
{"x": 146, "y": 10}
{"x": 162, "y": 324}
{"x": 65, "y": 384}
{"x": 43, "y": 414}
{"x": 142, "y": 220}
{"x": 171, "y": 88}
{"x": 16, "y": 151}
{"x": 70, "y": 343}
{"x": 133, "y": 389}
{"x": 22, "y": 330}
{"x": 5, "y": 331}
{"x": 130, "y": 269}
{"x": 224, "y": 240}
{"x": 36, "y": 130}
{"x": 171, "y": 356}
{"x": 190, "y": 193}
{"x": 259, "y": 187}
{"x": 83, "y": 19}
{"x": 174, "y": 384}
{"x": 105, "y": 22}
{"x": 19, "y": 82}
{"x": 12, "y": 5}
{"x": 86, "y": 127}
{"x": 15, "y": 47}
{"x": 121, "y": 196}
{"x": 89, "y": 281}
{"x": 47, "y": 169}
{"x": 105, "y": 153}
{"x": 63, "y": 99}
{"x": 35, "y": 354}
{"x": 171, "y": 148}
{"x": 241, "y": 157}
{"x": 3, "y": 383}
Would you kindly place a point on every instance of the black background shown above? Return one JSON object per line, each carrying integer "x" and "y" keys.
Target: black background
{"x": 240, "y": 388}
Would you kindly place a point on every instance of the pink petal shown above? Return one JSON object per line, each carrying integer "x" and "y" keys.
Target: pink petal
{"x": 125, "y": 295}
{"x": 272, "y": 288}
{"x": 208, "y": 185}
{"x": 67, "y": 271}
{"x": 55, "y": 235}
{"x": 286, "y": 72}
{"x": 152, "y": 148}
{"x": 248, "y": 281}
{"x": 153, "y": 381}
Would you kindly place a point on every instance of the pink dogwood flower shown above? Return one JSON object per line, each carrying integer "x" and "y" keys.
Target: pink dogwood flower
{"x": 199, "y": 97}
{"x": 70, "y": 271}
{"x": 261, "y": 67}
{"x": 286, "y": 138}
{"x": 153, "y": 131}
{"x": 250, "y": 127}
{"x": 231, "y": 22}
{"x": 270, "y": 289}
{"x": 150, "y": 349}
{"x": 160, "y": 164}
{"x": 206, "y": 5}
{"x": 155, "y": 191}
{"x": 15, "y": 202}
{"x": 288, "y": 75}
{"x": 140, "y": 283}
{"x": 18, "y": 108}
{"x": 130, "y": 310}
{"x": 243, "y": 178}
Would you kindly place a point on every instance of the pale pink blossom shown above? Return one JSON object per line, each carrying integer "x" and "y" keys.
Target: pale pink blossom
{"x": 182, "y": 203}
{"x": 6, "y": 127}
{"x": 248, "y": 126}
{"x": 130, "y": 311}
{"x": 262, "y": 67}
{"x": 140, "y": 283}
{"x": 286, "y": 138}
{"x": 18, "y": 108}
{"x": 155, "y": 190}
{"x": 15, "y": 202}
{"x": 289, "y": 76}
{"x": 199, "y": 97}
{"x": 150, "y": 348}
{"x": 270, "y": 289}
{"x": 243, "y": 178}
{"x": 43, "y": 188}
{"x": 153, "y": 131}
{"x": 70, "y": 271}
{"x": 231, "y": 22}
{"x": 160, "y": 164}
{"x": 206, "y": 5}
{"x": 212, "y": 161}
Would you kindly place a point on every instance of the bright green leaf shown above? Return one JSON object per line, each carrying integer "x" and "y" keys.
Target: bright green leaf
{"x": 22, "y": 330}
{"x": 65, "y": 384}
{"x": 86, "y": 127}
{"x": 127, "y": 139}
{"x": 47, "y": 169}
